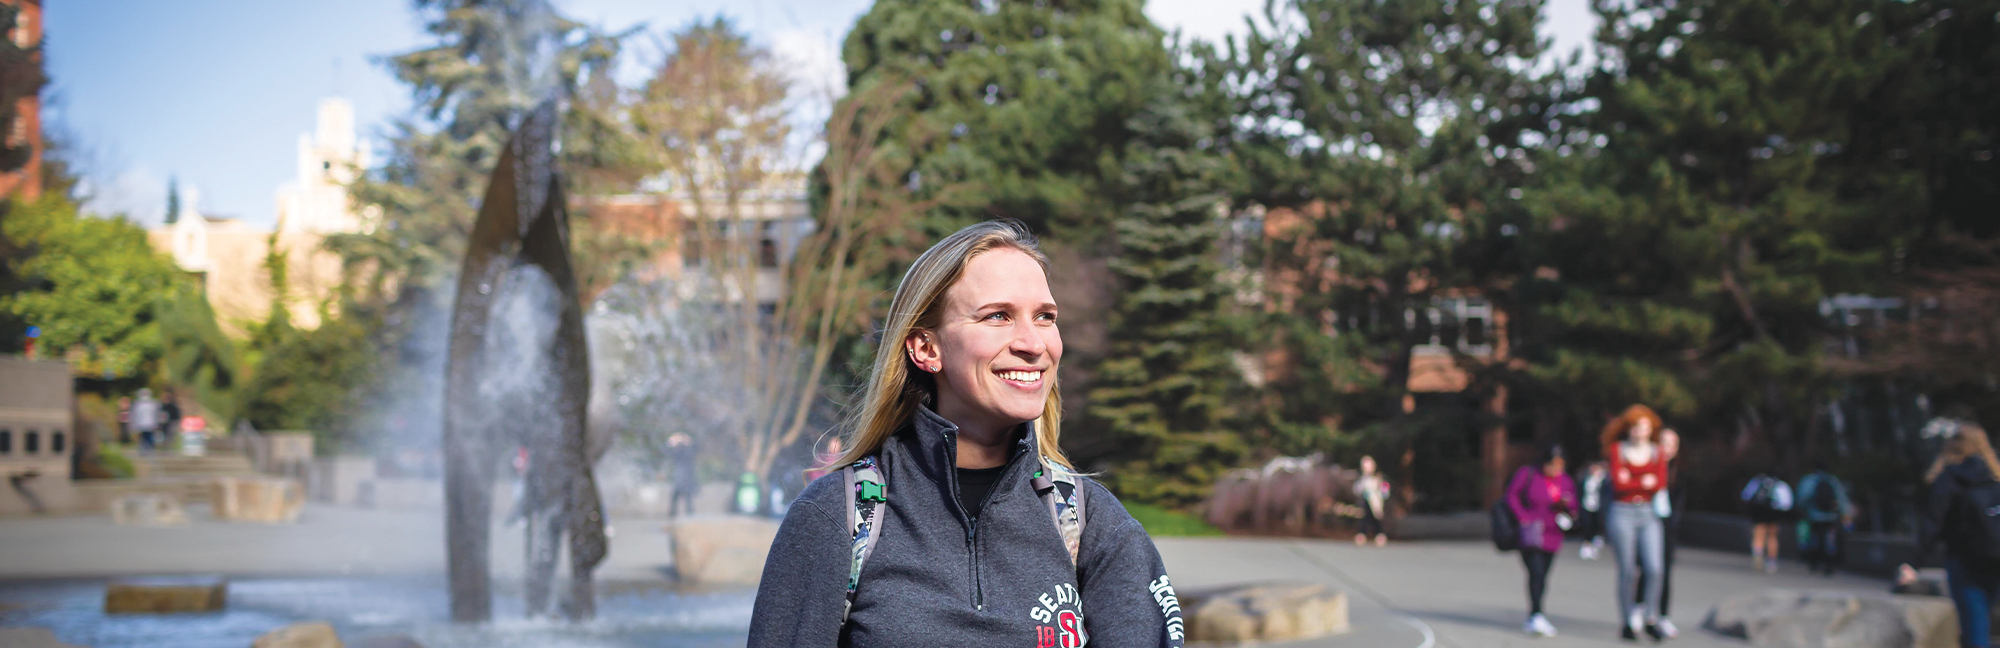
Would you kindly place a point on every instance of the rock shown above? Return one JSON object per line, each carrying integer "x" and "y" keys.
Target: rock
{"x": 721, "y": 549}
{"x": 385, "y": 641}
{"x": 165, "y": 595}
{"x": 258, "y": 499}
{"x": 31, "y": 638}
{"x": 148, "y": 509}
{"x": 311, "y": 634}
{"x": 1261, "y": 612}
{"x": 1836, "y": 619}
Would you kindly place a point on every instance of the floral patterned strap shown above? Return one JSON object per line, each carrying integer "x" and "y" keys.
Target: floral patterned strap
{"x": 867, "y": 492}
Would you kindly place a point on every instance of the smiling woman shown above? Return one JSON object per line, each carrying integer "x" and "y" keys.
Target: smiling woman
{"x": 952, "y": 476}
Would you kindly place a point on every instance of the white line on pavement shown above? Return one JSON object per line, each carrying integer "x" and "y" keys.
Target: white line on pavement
{"x": 1430, "y": 638}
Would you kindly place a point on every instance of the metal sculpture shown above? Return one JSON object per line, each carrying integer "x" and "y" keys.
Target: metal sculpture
{"x": 522, "y": 224}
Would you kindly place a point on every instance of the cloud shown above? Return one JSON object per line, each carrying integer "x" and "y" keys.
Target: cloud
{"x": 137, "y": 194}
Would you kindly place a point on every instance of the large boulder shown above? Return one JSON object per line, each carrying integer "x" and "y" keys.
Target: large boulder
{"x": 258, "y": 499}
{"x": 1264, "y": 612}
{"x": 31, "y": 638}
{"x": 148, "y": 509}
{"x": 721, "y": 549}
{"x": 312, "y": 634}
{"x": 1836, "y": 619}
{"x": 165, "y": 595}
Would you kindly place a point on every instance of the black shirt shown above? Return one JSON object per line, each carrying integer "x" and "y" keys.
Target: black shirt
{"x": 974, "y": 485}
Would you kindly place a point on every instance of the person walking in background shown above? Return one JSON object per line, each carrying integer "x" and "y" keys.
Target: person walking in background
{"x": 146, "y": 419}
{"x": 1770, "y": 500}
{"x": 124, "y": 420}
{"x": 1825, "y": 513}
{"x": 170, "y": 418}
{"x": 1593, "y": 493}
{"x": 1668, "y": 504}
{"x": 1638, "y": 536}
{"x": 1962, "y": 514}
{"x": 1373, "y": 492}
{"x": 681, "y": 457}
{"x": 1544, "y": 501}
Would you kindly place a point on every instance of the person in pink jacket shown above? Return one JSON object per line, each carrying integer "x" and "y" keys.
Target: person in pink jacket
{"x": 1544, "y": 500}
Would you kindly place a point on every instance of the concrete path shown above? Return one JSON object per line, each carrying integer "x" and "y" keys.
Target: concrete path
{"x": 1411, "y": 595}
{"x": 1466, "y": 595}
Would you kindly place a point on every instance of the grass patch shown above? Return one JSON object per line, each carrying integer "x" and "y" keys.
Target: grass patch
{"x": 1162, "y": 522}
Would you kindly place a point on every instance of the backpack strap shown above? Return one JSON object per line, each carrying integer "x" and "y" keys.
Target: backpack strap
{"x": 1057, "y": 486}
{"x": 867, "y": 493}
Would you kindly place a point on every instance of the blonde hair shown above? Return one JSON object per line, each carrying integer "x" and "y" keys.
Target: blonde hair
{"x": 895, "y": 389}
{"x": 1969, "y": 441}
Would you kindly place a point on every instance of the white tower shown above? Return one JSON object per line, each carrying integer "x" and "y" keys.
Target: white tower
{"x": 329, "y": 159}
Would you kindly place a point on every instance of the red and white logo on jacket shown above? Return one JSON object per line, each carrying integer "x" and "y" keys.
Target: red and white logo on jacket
{"x": 1060, "y": 615}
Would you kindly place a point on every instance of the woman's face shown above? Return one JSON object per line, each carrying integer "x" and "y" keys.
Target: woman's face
{"x": 1367, "y": 465}
{"x": 997, "y": 345}
{"x": 1642, "y": 430}
{"x": 1555, "y": 467}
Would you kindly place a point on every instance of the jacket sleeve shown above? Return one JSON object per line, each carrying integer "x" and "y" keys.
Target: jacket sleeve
{"x": 1128, "y": 601}
{"x": 802, "y": 598}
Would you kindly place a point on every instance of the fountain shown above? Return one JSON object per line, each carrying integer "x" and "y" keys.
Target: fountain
{"x": 520, "y": 246}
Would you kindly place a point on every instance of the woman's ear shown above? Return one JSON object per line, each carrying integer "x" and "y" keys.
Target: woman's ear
{"x": 923, "y": 350}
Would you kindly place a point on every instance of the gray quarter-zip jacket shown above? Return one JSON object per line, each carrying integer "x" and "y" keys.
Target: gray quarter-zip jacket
{"x": 941, "y": 578}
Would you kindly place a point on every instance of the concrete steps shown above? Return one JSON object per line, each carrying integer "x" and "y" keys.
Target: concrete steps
{"x": 189, "y": 479}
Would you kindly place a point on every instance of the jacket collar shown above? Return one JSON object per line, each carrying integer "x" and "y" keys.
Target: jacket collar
{"x": 931, "y": 442}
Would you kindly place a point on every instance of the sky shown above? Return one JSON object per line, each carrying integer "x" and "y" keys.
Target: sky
{"x": 215, "y": 93}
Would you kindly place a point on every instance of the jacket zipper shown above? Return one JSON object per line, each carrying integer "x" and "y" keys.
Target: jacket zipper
{"x": 971, "y": 522}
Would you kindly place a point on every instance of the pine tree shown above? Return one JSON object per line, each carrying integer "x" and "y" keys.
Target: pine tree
{"x": 1164, "y": 392}
{"x": 1022, "y": 109}
{"x": 173, "y": 200}
{"x": 494, "y": 61}
{"x": 1388, "y": 142}
{"x": 1710, "y": 211}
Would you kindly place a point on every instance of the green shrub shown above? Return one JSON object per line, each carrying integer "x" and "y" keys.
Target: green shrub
{"x": 112, "y": 458}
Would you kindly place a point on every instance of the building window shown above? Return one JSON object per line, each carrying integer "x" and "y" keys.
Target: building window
{"x": 31, "y": 442}
{"x": 56, "y": 441}
{"x": 6, "y": 441}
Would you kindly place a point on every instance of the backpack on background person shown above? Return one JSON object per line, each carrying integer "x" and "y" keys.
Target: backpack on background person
{"x": 1768, "y": 495}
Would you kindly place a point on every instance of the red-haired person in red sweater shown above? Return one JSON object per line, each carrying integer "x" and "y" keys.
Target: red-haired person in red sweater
{"x": 1638, "y": 536}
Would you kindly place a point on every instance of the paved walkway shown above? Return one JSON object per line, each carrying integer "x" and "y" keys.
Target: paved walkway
{"x": 1466, "y": 595}
{"x": 1414, "y": 595}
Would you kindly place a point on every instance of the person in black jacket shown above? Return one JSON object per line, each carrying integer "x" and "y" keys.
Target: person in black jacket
{"x": 1961, "y": 518}
{"x": 960, "y": 416}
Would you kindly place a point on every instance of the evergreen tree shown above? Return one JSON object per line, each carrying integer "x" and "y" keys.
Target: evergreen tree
{"x": 173, "y": 200}
{"x": 1710, "y": 213}
{"x": 1021, "y": 110}
{"x": 1164, "y": 393}
{"x": 1388, "y": 143}
{"x": 494, "y": 61}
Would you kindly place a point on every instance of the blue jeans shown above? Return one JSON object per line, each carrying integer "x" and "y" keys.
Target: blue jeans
{"x": 1974, "y": 593}
{"x": 1639, "y": 540}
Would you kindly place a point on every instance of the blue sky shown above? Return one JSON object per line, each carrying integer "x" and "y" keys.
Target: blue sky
{"x": 216, "y": 92}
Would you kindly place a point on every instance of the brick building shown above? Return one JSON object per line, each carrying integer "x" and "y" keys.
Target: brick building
{"x": 26, "y": 182}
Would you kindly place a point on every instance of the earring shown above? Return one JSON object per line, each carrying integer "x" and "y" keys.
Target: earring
{"x": 935, "y": 368}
